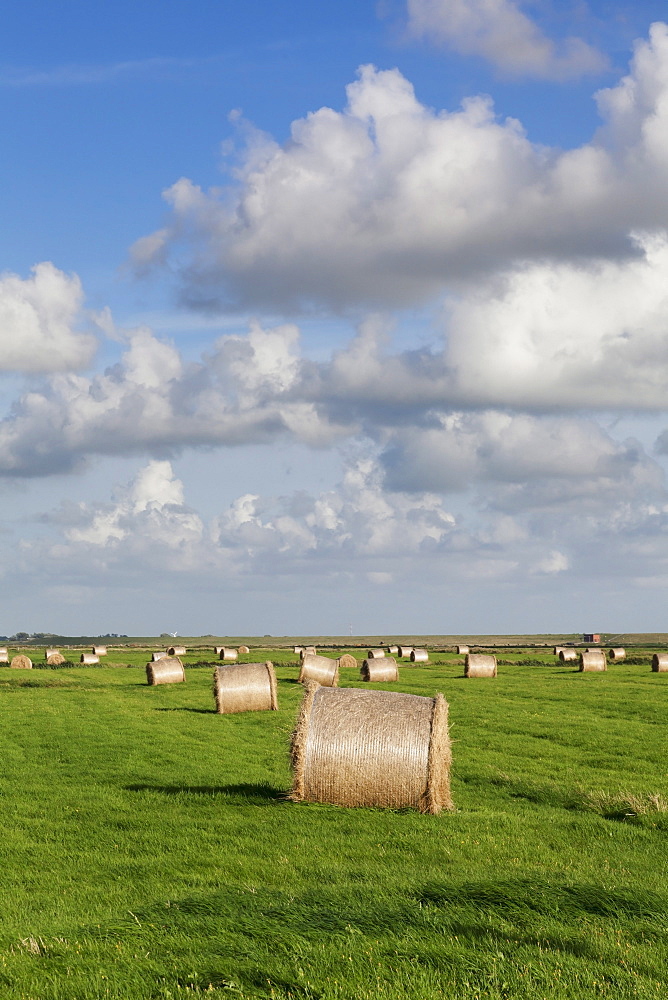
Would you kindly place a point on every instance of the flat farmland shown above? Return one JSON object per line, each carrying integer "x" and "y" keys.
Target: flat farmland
{"x": 148, "y": 849}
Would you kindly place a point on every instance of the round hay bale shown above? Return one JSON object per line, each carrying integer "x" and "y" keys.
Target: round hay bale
{"x": 4, "y": 656}
{"x": 321, "y": 669}
{"x": 176, "y": 651}
{"x": 168, "y": 670}
{"x": 393, "y": 650}
{"x": 347, "y": 662}
{"x": 55, "y": 659}
{"x": 297, "y": 649}
{"x": 217, "y": 650}
{"x": 375, "y": 654}
{"x": 227, "y": 653}
{"x": 89, "y": 658}
{"x": 50, "y": 652}
{"x": 307, "y": 651}
{"x": 419, "y": 656}
{"x": 384, "y": 749}
{"x": 244, "y": 651}
{"x": 405, "y": 651}
{"x": 99, "y": 650}
{"x": 21, "y": 662}
{"x": 568, "y": 655}
{"x": 480, "y": 665}
{"x": 592, "y": 659}
{"x": 380, "y": 671}
{"x": 463, "y": 650}
{"x": 158, "y": 655}
{"x": 617, "y": 654}
{"x": 660, "y": 663}
{"x": 245, "y": 687}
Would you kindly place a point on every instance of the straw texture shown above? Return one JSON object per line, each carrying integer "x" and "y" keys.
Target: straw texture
{"x": 375, "y": 654}
{"x": 168, "y": 670}
{"x": 568, "y": 655}
{"x": 55, "y": 659}
{"x": 227, "y": 653}
{"x": 660, "y": 663}
{"x": 176, "y": 651}
{"x": 4, "y": 656}
{"x": 307, "y": 651}
{"x": 372, "y": 748}
{"x": 347, "y": 662}
{"x": 405, "y": 651}
{"x": 480, "y": 665}
{"x": 617, "y": 654}
{"x": 99, "y": 650}
{"x": 593, "y": 659}
{"x": 321, "y": 669}
{"x": 419, "y": 656}
{"x": 379, "y": 671}
{"x": 243, "y": 650}
{"x": 50, "y": 652}
{"x": 21, "y": 662}
{"x": 89, "y": 658}
{"x": 245, "y": 687}
{"x": 463, "y": 650}
{"x": 158, "y": 655}
{"x": 393, "y": 650}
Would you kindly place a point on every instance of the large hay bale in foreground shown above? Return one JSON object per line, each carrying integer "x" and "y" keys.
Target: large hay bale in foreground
{"x": 375, "y": 654}
{"x": 372, "y": 748}
{"x": 176, "y": 651}
{"x": 480, "y": 665}
{"x": 4, "y": 656}
{"x": 227, "y": 653}
{"x": 321, "y": 669}
{"x": 347, "y": 662}
{"x": 405, "y": 651}
{"x": 89, "y": 658}
{"x": 50, "y": 652}
{"x": 568, "y": 655}
{"x": 99, "y": 650}
{"x": 160, "y": 654}
{"x": 245, "y": 687}
{"x": 168, "y": 670}
{"x": 243, "y": 650}
{"x": 617, "y": 654}
{"x": 593, "y": 659}
{"x": 21, "y": 662}
{"x": 419, "y": 656}
{"x": 55, "y": 659}
{"x": 660, "y": 663}
{"x": 380, "y": 671}
{"x": 463, "y": 650}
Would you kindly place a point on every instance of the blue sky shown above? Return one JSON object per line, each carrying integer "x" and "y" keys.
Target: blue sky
{"x": 342, "y": 314}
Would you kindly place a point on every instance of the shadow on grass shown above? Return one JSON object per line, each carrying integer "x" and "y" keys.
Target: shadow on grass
{"x": 260, "y": 794}
{"x": 183, "y": 708}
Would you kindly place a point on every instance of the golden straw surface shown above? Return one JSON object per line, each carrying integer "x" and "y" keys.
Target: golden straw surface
{"x": 245, "y": 687}
{"x": 593, "y": 659}
{"x": 168, "y": 670}
{"x": 480, "y": 665}
{"x": 380, "y": 671}
{"x": 321, "y": 669}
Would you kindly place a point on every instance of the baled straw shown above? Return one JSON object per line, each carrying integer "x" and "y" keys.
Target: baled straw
{"x": 50, "y": 652}
{"x": 21, "y": 662}
{"x": 557, "y": 650}
{"x": 393, "y": 650}
{"x": 375, "y": 654}
{"x": 158, "y": 655}
{"x": 227, "y": 653}
{"x": 89, "y": 658}
{"x": 4, "y": 656}
{"x": 405, "y": 651}
{"x": 463, "y": 650}
{"x": 245, "y": 687}
{"x": 218, "y": 649}
{"x": 55, "y": 659}
{"x": 616, "y": 654}
{"x": 568, "y": 655}
{"x": 243, "y": 650}
{"x": 298, "y": 649}
{"x": 380, "y": 671}
{"x": 168, "y": 670}
{"x": 176, "y": 651}
{"x": 384, "y": 749}
{"x": 99, "y": 650}
{"x": 307, "y": 651}
{"x": 419, "y": 656}
{"x": 480, "y": 665}
{"x": 347, "y": 662}
{"x": 660, "y": 663}
{"x": 321, "y": 669}
{"x": 592, "y": 659}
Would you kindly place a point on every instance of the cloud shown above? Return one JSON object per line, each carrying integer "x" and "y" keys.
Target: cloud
{"x": 499, "y": 31}
{"x": 38, "y": 320}
{"x": 388, "y": 202}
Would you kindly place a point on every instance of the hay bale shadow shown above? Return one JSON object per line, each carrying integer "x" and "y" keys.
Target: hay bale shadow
{"x": 255, "y": 794}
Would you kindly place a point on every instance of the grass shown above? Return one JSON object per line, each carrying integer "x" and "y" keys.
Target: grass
{"x": 148, "y": 851}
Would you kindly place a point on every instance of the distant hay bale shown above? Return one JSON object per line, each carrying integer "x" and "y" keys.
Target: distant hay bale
{"x": 347, "y": 662}
{"x": 463, "y": 650}
{"x": 557, "y": 650}
{"x": 99, "y": 650}
{"x": 50, "y": 652}
{"x": 177, "y": 651}
{"x": 243, "y": 650}
{"x": 380, "y": 749}
{"x": 245, "y": 687}
{"x": 158, "y": 655}
{"x": 592, "y": 659}
{"x": 21, "y": 662}
{"x": 168, "y": 670}
{"x": 568, "y": 655}
{"x": 307, "y": 651}
{"x": 217, "y": 650}
{"x": 480, "y": 665}
{"x": 375, "y": 654}
{"x": 617, "y": 654}
{"x": 227, "y": 653}
{"x": 419, "y": 656}
{"x": 89, "y": 658}
{"x": 393, "y": 650}
{"x": 297, "y": 649}
{"x": 660, "y": 663}
{"x": 321, "y": 669}
{"x": 4, "y": 656}
{"x": 55, "y": 659}
{"x": 380, "y": 671}
{"x": 405, "y": 651}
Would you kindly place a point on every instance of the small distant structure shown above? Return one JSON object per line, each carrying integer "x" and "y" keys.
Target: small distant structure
{"x": 591, "y": 637}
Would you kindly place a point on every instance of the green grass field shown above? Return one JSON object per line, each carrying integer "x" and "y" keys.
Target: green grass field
{"x": 148, "y": 850}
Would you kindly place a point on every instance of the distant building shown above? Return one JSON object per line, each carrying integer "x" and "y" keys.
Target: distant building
{"x": 591, "y": 637}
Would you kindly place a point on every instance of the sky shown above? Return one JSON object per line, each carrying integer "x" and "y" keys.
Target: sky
{"x": 334, "y": 318}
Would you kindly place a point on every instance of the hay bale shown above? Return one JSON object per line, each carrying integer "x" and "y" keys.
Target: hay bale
{"x": 158, "y": 655}
{"x": 227, "y": 653}
{"x": 168, "y": 670}
{"x": 243, "y": 651}
{"x": 99, "y": 650}
{"x": 392, "y": 650}
{"x": 50, "y": 652}
{"x": 347, "y": 662}
{"x": 617, "y": 654}
{"x": 463, "y": 650}
{"x": 21, "y": 662}
{"x": 176, "y": 651}
{"x": 480, "y": 665}
{"x": 297, "y": 649}
{"x": 568, "y": 655}
{"x": 4, "y": 656}
{"x": 660, "y": 663}
{"x": 307, "y": 651}
{"x": 89, "y": 658}
{"x": 380, "y": 671}
{"x": 217, "y": 650}
{"x": 55, "y": 659}
{"x": 375, "y": 654}
{"x": 419, "y": 656}
{"x": 372, "y": 748}
{"x": 593, "y": 659}
{"x": 405, "y": 651}
{"x": 245, "y": 687}
{"x": 321, "y": 669}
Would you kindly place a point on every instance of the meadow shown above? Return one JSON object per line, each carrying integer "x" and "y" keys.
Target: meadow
{"x": 148, "y": 849}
